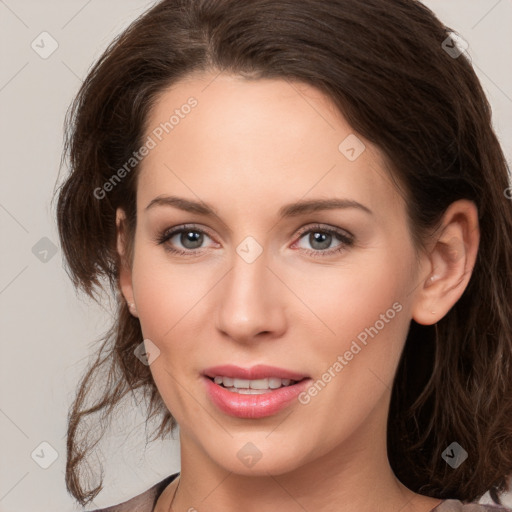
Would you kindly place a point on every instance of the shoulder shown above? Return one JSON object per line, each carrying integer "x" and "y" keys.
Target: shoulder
{"x": 458, "y": 506}
{"x": 144, "y": 502}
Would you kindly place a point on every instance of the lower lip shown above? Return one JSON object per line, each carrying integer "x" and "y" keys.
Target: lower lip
{"x": 254, "y": 406}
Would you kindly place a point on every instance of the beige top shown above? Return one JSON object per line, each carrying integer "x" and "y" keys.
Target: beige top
{"x": 146, "y": 502}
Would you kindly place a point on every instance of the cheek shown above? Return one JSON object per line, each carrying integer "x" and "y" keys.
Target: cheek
{"x": 350, "y": 299}
{"x": 363, "y": 318}
{"x": 164, "y": 290}
{"x": 168, "y": 296}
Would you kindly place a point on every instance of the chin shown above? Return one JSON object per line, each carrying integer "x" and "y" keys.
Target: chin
{"x": 249, "y": 456}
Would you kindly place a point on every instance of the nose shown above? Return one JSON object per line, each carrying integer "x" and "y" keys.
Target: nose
{"x": 251, "y": 302}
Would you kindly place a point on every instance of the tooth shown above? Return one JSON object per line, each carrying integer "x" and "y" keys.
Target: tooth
{"x": 274, "y": 383}
{"x": 228, "y": 382}
{"x": 256, "y": 384}
{"x": 239, "y": 383}
{"x": 249, "y": 391}
{"x": 259, "y": 384}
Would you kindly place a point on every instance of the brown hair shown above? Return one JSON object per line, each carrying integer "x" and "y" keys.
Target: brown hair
{"x": 383, "y": 65}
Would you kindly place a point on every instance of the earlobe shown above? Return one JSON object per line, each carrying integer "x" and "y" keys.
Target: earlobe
{"x": 125, "y": 273}
{"x": 133, "y": 309}
{"x": 450, "y": 263}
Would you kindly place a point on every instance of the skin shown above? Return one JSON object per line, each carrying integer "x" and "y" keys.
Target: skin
{"x": 247, "y": 149}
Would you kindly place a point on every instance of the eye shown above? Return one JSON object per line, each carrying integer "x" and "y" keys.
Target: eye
{"x": 320, "y": 238}
{"x": 189, "y": 237}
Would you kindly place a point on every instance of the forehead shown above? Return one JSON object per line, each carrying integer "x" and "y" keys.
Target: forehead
{"x": 228, "y": 140}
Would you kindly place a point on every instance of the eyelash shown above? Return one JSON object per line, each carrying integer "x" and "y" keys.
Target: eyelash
{"x": 345, "y": 239}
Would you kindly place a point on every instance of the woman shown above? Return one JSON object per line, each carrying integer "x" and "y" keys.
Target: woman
{"x": 306, "y": 225}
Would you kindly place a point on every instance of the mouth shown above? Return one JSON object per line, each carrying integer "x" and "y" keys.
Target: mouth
{"x": 252, "y": 387}
{"x": 253, "y": 393}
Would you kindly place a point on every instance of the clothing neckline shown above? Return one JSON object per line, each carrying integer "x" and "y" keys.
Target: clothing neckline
{"x": 176, "y": 476}
{"x": 161, "y": 486}
{"x": 437, "y": 506}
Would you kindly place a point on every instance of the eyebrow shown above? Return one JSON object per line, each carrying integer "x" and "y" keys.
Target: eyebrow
{"x": 290, "y": 210}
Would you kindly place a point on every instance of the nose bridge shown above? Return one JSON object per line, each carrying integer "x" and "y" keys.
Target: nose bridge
{"x": 250, "y": 301}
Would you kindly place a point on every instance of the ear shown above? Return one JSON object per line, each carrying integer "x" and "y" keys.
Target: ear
{"x": 125, "y": 271}
{"x": 449, "y": 264}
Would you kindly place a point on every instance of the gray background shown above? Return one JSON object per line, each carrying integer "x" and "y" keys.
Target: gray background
{"x": 47, "y": 331}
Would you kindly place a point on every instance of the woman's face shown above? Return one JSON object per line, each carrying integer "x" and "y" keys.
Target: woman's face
{"x": 269, "y": 278}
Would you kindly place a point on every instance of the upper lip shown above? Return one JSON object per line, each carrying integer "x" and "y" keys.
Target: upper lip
{"x": 260, "y": 371}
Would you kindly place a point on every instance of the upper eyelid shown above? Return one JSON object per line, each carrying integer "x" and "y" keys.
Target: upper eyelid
{"x": 324, "y": 227}
{"x": 191, "y": 227}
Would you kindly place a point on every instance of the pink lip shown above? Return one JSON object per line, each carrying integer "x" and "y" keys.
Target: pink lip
{"x": 260, "y": 371}
{"x": 253, "y": 406}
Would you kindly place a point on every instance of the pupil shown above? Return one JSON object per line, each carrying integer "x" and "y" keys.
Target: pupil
{"x": 322, "y": 238}
{"x": 192, "y": 237}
